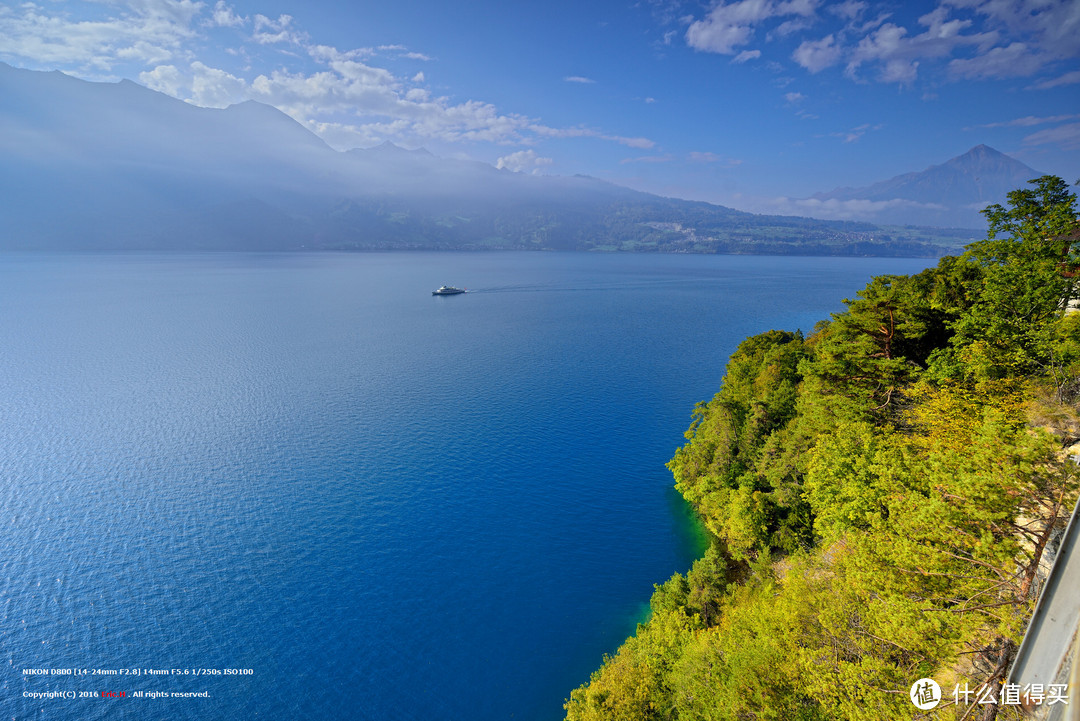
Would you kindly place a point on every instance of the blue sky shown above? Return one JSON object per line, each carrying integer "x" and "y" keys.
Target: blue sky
{"x": 752, "y": 104}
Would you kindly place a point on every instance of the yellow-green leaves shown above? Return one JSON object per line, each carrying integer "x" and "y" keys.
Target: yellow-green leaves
{"x": 849, "y": 478}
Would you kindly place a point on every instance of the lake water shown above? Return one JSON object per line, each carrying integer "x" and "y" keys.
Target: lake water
{"x": 386, "y": 505}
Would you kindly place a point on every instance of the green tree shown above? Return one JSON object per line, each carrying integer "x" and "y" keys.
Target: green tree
{"x": 718, "y": 469}
{"x": 1028, "y": 261}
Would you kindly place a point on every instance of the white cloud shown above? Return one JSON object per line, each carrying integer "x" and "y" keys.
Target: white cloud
{"x": 1070, "y": 78}
{"x": 715, "y": 36}
{"x": 387, "y": 109}
{"x": 794, "y": 98}
{"x": 1048, "y": 26}
{"x": 898, "y": 53}
{"x": 181, "y": 12}
{"x": 1066, "y": 136}
{"x": 150, "y": 32}
{"x": 1014, "y": 38}
{"x": 1015, "y": 60}
{"x": 900, "y": 71}
{"x": 214, "y": 88}
{"x": 201, "y": 85}
{"x": 402, "y": 51}
{"x": 144, "y": 52}
{"x": 790, "y": 27}
{"x": 746, "y": 55}
{"x": 816, "y": 55}
{"x": 848, "y": 10}
{"x": 327, "y": 54}
{"x": 523, "y": 160}
{"x": 165, "y": 79}
{"x": 870, "y": 24}
{"x": 350, "y": 104}
{"x": 832, "y": 209}
{"x": 579, "y": 132}
{"x": 353, "y": 135}
{"x": 579, "y": 79}
{"x": 224, "y": 16}
{"x": 363, "y": 74}
{"x": 270, "y": 32}
{"x": 665, "y": 158}
{"x": 1027, "y": 121}
{"x": 853, "y": 135}
{"x": 728, "y": 26}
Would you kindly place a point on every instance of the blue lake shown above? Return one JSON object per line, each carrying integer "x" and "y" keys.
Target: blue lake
{"x": 387, "y": 505}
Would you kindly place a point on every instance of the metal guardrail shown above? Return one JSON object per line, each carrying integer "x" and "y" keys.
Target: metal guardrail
{"x": 1052, "y": 641}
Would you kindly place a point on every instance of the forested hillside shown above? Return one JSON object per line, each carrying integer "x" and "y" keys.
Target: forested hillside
{"x": 883, "y": 495}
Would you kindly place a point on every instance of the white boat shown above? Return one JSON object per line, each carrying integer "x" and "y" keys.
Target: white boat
{"x": 448, "y": 290}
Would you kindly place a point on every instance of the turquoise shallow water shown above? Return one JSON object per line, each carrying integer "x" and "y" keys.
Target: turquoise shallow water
{"x": 387, "y": 505}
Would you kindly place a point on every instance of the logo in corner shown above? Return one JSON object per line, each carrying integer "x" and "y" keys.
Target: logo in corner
{"x": 925, "y": 694}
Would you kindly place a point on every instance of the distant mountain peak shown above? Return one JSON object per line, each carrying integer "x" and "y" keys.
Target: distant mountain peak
{"x": 947, "y": 194}
{"x": 254, "y": 106}
{"x": 980, "y": 153}
{"x": 388, "y": 147}
{"x": 983, "y": 156}
{"x": 388, "y": 151}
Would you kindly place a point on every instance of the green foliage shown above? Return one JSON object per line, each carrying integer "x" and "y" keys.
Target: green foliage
{"x": 632, "y": 684}
{"x": 882, "y": 494}
{"x": 1012, "y": 328}
{"x": 849, "y": 478}
{"x": 887, "y": 337}
{"x": 700, "y": 593}
{"x": 722, "y": 471}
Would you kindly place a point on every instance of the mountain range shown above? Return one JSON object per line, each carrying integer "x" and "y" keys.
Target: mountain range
{"x": 116, "y": 166}
{"x": 950, "y": 194}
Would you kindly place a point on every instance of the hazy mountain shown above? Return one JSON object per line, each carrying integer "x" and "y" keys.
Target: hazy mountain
{"x": 118, "y": 166}
{"x": 950, "y": 194}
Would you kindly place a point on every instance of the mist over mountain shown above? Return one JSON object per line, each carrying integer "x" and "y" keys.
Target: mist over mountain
{"x": 95, "y": 166}
{"x": 950, "y": 194}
